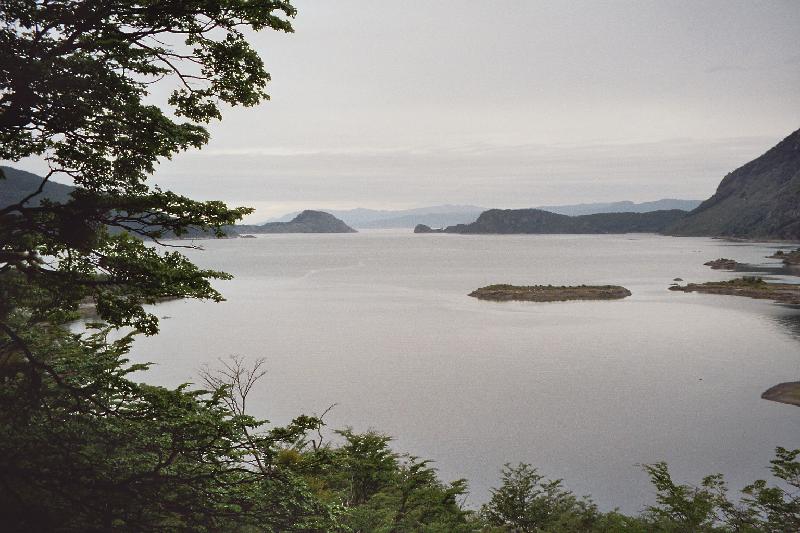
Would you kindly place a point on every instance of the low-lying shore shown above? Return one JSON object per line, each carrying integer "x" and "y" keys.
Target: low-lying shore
{"x": 750, "y": 287}
{"x": 789, "y": 258}
{"x": 549, "y": 293}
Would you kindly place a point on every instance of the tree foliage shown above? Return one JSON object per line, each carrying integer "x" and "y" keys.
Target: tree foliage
{"x": 526, "y": 502}
{"x": 83, "y": 447}
{"x": 77, "y": 79}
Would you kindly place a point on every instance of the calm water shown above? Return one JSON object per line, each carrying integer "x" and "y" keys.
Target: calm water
{"x": 380, "y": 324}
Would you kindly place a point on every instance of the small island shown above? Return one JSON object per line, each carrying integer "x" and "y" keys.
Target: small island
{"x": 549, "y": 293}
{"x": 749, "y": 286}
{"x": 722, "y": 264}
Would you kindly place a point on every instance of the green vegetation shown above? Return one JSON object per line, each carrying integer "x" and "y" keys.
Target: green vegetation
{"x": 549, "y": 293}
{"x": 86, "y": 447}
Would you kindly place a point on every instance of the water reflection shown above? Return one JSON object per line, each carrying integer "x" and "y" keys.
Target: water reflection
{"x": 789, "y": 322}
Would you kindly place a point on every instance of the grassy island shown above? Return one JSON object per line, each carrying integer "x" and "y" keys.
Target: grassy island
{"x": 549, "y": 293}
{"x": 751, "y": 287}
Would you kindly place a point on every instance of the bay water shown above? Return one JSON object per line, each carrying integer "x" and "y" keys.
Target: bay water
{"x": 380, "y": 324}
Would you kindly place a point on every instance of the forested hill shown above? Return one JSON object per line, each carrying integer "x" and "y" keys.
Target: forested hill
{"x": 19, "y": 184}
{"x": 505, "y": 221}
{"x": 758, "y": 200}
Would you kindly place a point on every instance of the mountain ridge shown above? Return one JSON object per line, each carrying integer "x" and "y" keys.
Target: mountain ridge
{"x": 760, "y": 199}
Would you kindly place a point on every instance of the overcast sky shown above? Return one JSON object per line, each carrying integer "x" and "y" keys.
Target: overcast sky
{"x": 504, "y": 104}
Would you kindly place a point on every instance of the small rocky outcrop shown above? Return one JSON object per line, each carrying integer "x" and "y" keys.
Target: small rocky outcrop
{"x": 722, "y": 264}
{"x": 549, "y": 293}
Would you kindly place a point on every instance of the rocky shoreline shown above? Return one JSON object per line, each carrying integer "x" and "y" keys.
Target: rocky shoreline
{"x": 788, "y": 392}
{"x": 758, "y": 288}
{"x": 549, "y": 293}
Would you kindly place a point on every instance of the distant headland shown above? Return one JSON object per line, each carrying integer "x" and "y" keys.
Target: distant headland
{"x": 306, "y": 222}
{"x": 537, "y": 221}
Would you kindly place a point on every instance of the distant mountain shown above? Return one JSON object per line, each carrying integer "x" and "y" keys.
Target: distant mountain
{"x": 665, "y": 204}
{"x": 758, "y": 200}
{"x": 19, "y": 184}
{"x": 506, "y": 221}
{"x": 306, "y": 222}
{"x": 451, "y": 215}
{"x": 402, "y": 218}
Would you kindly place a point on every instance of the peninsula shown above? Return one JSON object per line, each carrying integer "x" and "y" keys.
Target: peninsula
{"x": 751, "y": 287}
{"x": 789, "y": 258}
{"x": 549, "y": 293}
{"x": 537, "y": 221}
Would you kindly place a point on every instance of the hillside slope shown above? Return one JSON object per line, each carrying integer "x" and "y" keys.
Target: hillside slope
{"x": 758, "y": 200}
{"x": 19, "y": 184}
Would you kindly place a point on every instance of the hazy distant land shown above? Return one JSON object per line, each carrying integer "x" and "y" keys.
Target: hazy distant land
{"x": 537, "y": 221}
{"x": 440, "y": 216}
{"x": 306, "y": 222}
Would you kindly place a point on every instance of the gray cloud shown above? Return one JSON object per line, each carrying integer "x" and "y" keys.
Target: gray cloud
{"x": 494, "y": 175}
